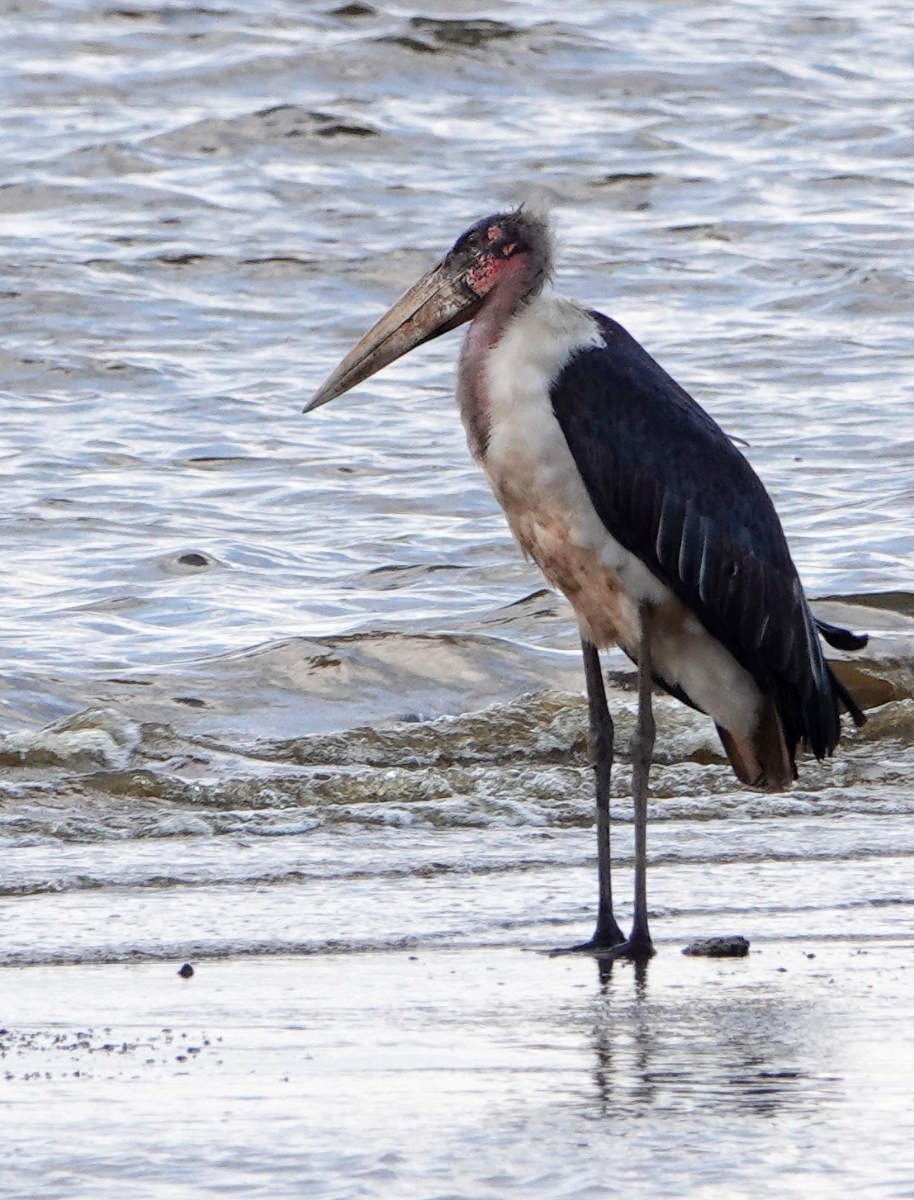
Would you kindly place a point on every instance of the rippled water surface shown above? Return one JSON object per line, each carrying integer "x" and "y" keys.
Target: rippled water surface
{"x": 278, "y": 694}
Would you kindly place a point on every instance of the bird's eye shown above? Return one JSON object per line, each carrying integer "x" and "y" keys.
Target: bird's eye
{"x": 470, "y": 241}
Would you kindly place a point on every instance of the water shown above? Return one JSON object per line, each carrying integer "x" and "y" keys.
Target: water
{"x": 279, "y": 695}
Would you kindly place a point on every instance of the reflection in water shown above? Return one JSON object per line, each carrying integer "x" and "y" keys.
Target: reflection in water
{"x": 741, "y": 1048}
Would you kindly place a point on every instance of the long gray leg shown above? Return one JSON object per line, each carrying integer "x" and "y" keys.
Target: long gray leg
{"x": 600, "y": 743}
{"x": 639, "y": 946}
{"x": 642, "y": 748}
{"x": 602, "y": 735}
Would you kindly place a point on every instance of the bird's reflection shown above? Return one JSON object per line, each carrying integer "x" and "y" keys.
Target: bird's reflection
{"x": 746, "y": 1048}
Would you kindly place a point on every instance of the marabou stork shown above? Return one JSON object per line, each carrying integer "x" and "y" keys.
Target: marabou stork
{"x": 636, "y": 505}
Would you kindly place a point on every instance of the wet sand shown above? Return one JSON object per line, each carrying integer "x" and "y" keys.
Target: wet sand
{"x": 470, "y": 1073}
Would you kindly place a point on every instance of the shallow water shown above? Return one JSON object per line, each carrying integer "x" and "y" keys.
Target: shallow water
{"x": 277, "y": 685}
{"x": 467, "y": 1073}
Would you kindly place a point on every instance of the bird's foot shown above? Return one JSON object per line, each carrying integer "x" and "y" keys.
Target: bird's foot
{"x": 606, "y": 936}
{"x": 636, "y": 948}
{"x": 593, "y": 947}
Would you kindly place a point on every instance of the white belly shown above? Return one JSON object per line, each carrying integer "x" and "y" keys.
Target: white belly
{"x": 536, "y": 481}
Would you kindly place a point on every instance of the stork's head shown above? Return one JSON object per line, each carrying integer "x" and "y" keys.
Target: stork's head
{"x": 508, "y": 254}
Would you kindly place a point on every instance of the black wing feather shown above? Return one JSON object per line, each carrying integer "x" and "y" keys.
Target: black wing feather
{"x": 672, "y": 488}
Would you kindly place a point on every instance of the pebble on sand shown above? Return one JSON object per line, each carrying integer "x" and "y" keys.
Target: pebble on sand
{"x": 735, "y": 946}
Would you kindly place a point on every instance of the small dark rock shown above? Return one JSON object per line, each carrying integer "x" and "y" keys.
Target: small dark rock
{"x": 735, "y": 946}
{"x": 186, "y": 971}
{"x": 353, "y": 10}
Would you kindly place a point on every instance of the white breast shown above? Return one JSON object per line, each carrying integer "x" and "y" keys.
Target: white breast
{"x": 533, "y": 472}
{"x": 537, "y": 482}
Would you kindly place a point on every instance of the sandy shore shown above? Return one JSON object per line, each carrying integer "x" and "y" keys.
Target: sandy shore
{"x": 464, "y": 1073}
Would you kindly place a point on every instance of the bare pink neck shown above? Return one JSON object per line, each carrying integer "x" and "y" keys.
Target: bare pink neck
{"x": 514, "y": 288}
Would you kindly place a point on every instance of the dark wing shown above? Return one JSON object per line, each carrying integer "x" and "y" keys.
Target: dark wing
{"x": 671, "y": 487}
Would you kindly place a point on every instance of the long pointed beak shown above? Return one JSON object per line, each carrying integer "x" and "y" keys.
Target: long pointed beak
{"x": 439, "y": 301}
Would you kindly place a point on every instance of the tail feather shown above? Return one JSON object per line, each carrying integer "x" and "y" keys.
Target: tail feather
{"x": 810, "y": 712}
{"x": 858, "y": 716}
{"x": 841, "y": 639}
{"x": 792, "y": 711}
